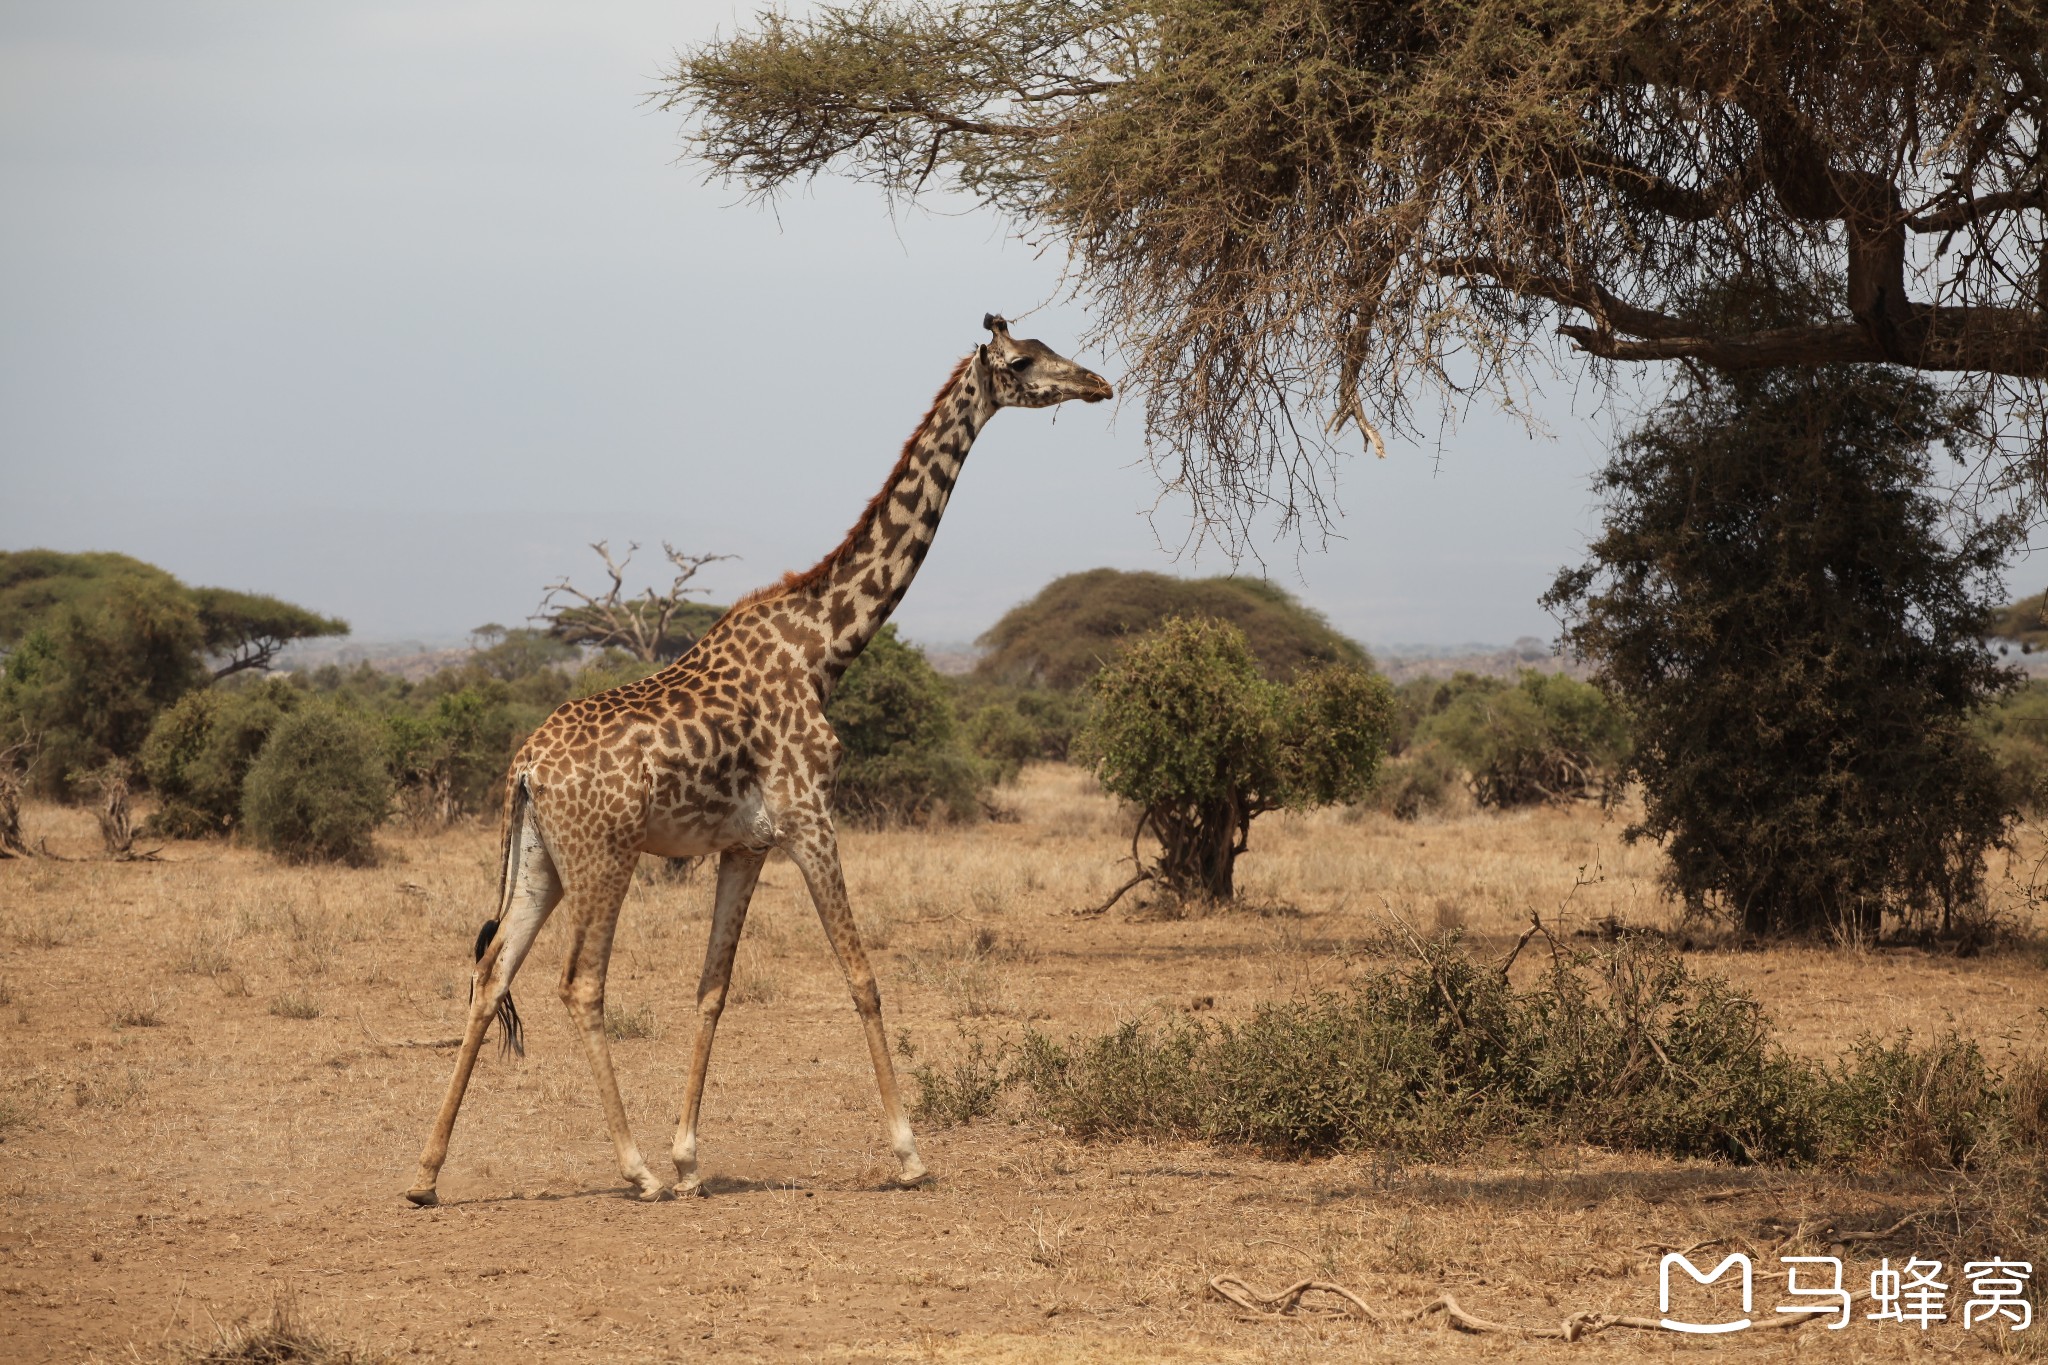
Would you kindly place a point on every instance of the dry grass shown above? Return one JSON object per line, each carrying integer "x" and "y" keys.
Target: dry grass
{"x": 295, "y": 1005}
{"x": 621, "y": 1025}
{"x": 223, "y": 1153}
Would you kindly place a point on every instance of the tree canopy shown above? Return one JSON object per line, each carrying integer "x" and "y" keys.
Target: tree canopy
{"x": 1077, "y": 623}
{"x": 1288, "y": 211}
{"x": 97, "y": 645}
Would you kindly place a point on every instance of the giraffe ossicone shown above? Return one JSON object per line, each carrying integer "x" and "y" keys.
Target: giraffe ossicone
{"x": 728, "y": 751}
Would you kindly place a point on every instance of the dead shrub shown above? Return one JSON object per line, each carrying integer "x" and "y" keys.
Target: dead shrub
{"x": 296, "y": 1005}
{"x": 143, "y": 1013}
{"x": 623, "y": 1024}
{"x": 964, "y": 1089}
{"x": 281, "y": 1339}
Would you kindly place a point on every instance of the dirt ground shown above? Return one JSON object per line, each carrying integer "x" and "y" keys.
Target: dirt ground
{"x": 216, "y": 1073}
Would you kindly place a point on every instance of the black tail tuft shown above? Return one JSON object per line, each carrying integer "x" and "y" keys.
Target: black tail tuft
{"x": 511, "y": 1034}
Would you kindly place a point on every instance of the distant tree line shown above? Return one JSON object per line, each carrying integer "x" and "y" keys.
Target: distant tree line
{"x": 1751, "y": 526}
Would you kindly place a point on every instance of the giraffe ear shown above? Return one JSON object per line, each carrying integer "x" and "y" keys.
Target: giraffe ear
{"x": 994, "y": 322}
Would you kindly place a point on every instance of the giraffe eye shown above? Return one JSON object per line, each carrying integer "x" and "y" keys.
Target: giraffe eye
{"x": 1022, "y": 362}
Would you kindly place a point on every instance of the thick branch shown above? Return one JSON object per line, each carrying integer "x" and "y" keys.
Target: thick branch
{"x": 1968, "y": 211}
{"x": 260, "y": 652}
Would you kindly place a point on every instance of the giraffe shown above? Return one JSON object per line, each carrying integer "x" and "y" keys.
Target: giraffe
{"x": 727, "y": 751}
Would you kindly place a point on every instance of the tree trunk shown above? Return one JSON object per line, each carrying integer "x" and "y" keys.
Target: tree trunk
{"x": 11, "y": 842}
{"x": 116, "y": 831}
{"x": 1199, "y": 848}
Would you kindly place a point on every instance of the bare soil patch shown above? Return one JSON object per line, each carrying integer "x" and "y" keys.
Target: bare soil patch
{"x": 209, "y": 1095}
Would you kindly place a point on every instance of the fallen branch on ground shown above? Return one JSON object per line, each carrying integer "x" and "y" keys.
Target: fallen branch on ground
{"x": 1576, "y": 1327}
{"x": 363, "y": 1024}
{"x": 1289, "y": 1299}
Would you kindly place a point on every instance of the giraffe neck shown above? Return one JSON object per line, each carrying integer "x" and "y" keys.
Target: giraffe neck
{"x": 853, "y": 590}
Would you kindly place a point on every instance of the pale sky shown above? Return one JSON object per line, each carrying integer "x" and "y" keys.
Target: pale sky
{"x": 389, "y": 309}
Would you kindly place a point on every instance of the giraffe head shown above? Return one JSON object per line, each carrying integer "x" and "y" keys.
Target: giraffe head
{"x": 1030, "y": 374}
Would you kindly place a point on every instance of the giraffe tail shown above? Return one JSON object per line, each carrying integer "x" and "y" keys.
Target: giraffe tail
{"x": 511, "y": 1033}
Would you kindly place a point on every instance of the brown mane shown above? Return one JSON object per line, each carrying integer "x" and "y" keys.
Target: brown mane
{"x": 794, "y": 581}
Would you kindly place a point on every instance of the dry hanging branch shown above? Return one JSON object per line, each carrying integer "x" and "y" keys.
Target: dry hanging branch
{"x": 1293, "y": 215}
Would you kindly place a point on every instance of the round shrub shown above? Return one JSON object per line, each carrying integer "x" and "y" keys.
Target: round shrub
{"x": 199, "y": 753}
{"x": 1184, "y": 726}
{"x": 902, "y": 756}
{"x": 319, "y": 789}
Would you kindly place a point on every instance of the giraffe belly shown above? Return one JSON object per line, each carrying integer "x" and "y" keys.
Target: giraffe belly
{"x": 693, "y": 832}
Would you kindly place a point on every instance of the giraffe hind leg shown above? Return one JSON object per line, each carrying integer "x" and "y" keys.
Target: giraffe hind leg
{"x": 738, "y": 870}
{"x": 596, "y": 888}
{"x": 532, "y": 889}
{"x": 511, "y": 1033}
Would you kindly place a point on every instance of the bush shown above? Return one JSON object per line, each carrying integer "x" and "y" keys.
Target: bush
{"x": 199, "y": 753}
{"x": 961, "y": 1092}
{"x": 1627, "y": 1049}
{"x": 1420, "y": 781}
{"x": 2015, "y": 731}
{"x": 98, "y": 646}
{"x": 1548, "y": 738}
{"x": 1011, "y": 726}
{"x": 319, "y": 788}
{"x": 902, "y": 756}
{"x": 1184, "y": 727}
{"x": 450, "y": 760}
{"x": 1794, "y": 617}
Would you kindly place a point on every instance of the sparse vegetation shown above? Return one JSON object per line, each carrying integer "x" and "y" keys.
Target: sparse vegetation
{"x": 1627, "y": 1049}
{"x": 206, "y": 1118}
{"x": 964, "y": 1089}
{"x": 144, "y": 1012}
{"x": 280, "y": 1339}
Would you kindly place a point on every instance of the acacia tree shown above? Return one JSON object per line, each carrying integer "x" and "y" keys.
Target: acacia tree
{"x": 1184, "y": 727}
{"x": 1293, "y": 209}
{"x": 1794, "y": 622}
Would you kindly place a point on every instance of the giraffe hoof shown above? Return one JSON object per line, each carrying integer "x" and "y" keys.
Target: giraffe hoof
{"x": 913, "y": 1176}
{"x": 653, "y": 1192}
{"x": 426, "y": 1198}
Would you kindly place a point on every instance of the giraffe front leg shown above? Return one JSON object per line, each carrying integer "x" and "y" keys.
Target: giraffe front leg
{"x": 814, "y": 848}
{"x": 594, "y": 915}
{"x": 737, "y": 873}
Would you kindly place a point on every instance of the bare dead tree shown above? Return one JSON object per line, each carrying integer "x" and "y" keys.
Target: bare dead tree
{"x": 13, "y": 759}
{"x": 646, "y": 626}
{"x": 117, "y": 829}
